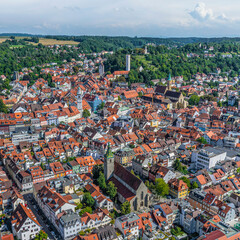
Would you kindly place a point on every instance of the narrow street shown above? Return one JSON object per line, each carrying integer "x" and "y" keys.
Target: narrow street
{"x": 46, "y": 225}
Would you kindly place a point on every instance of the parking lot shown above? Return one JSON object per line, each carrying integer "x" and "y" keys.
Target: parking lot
{"x": 44, "y": 222}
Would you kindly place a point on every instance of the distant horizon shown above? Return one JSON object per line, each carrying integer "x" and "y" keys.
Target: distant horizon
{"x": 9, "y": 34}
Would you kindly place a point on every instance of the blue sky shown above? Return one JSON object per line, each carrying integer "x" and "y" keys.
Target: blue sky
{"x": 154, "y": 18}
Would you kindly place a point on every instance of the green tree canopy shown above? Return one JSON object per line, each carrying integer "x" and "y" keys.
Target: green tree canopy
{"x": 187, "y": 181}
{"x": 86, "y": 209}
{"x": 41, "y": 236}
{"x": 86, "y": 113}
{"x": 194, "y": 100}
{"x": 3, "y": 107}
{"x": 202, "y": 140}
{"x": 102, "y": 181}
{"x": 96, "y": 171}
{"x": 194, "y": 185}
{"x": 125, "y": 208}
{"x": 79, "y": 206}
{"x": 111, "y": 190}
{"x": 179, "y": 167}
{"x": 88, "y": 200}
{"x": 161, "y": 187}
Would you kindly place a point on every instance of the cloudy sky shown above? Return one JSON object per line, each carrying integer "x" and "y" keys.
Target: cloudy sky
{"x": 154, "y": 18}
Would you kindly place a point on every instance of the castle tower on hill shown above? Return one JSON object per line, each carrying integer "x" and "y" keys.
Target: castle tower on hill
{"x": 145, "y": 50}
{"x": 101, "y": 69}
{"x": 128, "y": 62}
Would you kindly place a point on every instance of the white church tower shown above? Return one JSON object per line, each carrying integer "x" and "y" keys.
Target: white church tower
{"x": 128, "y": 62}
{"x": 79, "y": 101}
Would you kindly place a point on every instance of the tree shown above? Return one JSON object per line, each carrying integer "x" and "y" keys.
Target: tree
{"x": 102, "y": 181}
{"x": 88, "y": 200}
{"x": 43, "y": 166}
{"x": 75, "y": 69}
{"x": 121, "y": 79}
{"x": 202, "y": 140}
{"x": 79, "y": 206}
{"x": 220, "y": 104}
{"x": 194, "y": 185}
{"x": 41, "y": 235}
{"x": 176, "y": 231}
{"x": 125, "y": 208}
{"x": 111, "y": 190}
{"x": 177, "y": 165}
{"x": 3, "y": 107}
{"x": 96, "y": 171}
{"x": 101, "y": 106}
{"x": 147, "y": 184}
{"x": 86, "y": 113}
{"x": 238, "y": 170}
{"x": 86, "y": 209}
{"x": 161, "y": 187}
{"x": 131, "y": 145}
{"x": 187, "y": 181}
{"x": 194, "y": 100}
{"x": 81, "y": 233}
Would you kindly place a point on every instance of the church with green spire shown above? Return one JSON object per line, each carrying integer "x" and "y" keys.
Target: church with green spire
{"x": 172, "y": 99}
{"x": 108, "y": 162}
{"x": 109, "y": 153}
{"x": 129, "y": 187}
{"x": 169, "y": 77}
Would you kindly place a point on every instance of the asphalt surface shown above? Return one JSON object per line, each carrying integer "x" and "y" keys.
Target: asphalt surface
{"x": 46, "y": 225}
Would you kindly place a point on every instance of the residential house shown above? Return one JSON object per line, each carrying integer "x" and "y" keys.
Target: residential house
{"x": 25, "y": 225}
{"x": 178, "y": 188}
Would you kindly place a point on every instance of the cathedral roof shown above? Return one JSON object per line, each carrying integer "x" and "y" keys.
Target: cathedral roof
{"x": 126, "y": 176}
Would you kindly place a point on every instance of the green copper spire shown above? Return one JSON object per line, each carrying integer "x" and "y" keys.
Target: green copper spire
{"x": 169, "y": 77}
{"x": 109, "y": 153}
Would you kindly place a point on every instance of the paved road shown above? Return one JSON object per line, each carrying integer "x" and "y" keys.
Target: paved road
{"x": 40, "y": 217}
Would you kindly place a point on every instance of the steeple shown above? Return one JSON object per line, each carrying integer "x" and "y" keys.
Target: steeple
{"x": 169, "y": 82}
{"x": 108, "y": 163}
{"x": 169, "y": 77}
{"x": 109, "y": 153}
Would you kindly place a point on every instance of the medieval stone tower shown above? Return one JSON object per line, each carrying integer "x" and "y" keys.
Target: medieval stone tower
{"x": 79, "y": 101}
{"x": 108, "y": 163}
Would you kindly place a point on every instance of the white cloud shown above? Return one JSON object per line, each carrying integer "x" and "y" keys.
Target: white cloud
{"x": 201, "y": 13}
{"x": 223, "y": 17}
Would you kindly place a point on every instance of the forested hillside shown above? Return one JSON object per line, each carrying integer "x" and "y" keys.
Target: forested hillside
{"x": 161, "y": 60}
{"x": 16, "y": 54}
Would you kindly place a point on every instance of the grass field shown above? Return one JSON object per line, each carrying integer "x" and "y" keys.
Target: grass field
{"x": 3, "y": 39}
{"x": 45, "y": 41}
{"x": 144, "y": 62}
{"x": 16, "y": 46}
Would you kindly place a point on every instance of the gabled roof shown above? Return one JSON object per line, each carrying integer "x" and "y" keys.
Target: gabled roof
{"x": 173, "y": 94}
{"x": 126, "y": 176}
{"x": 21, "y": 214}
{"x": 161, "y": 89}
